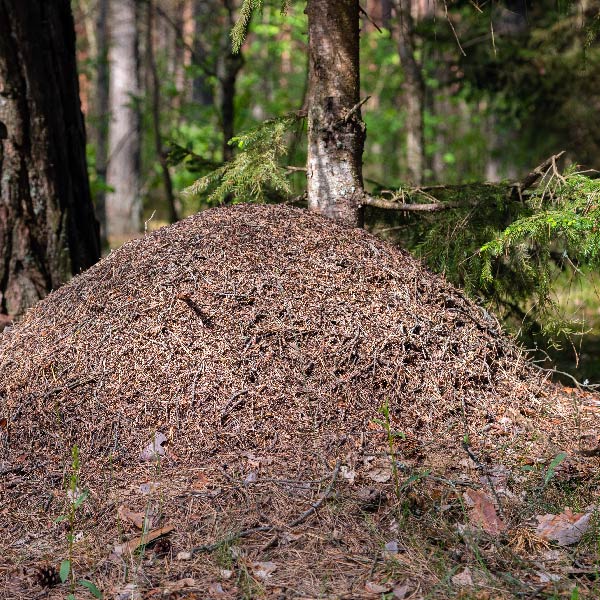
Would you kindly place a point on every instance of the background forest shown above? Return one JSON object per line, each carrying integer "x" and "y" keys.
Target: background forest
{"x": 457, "y": 93}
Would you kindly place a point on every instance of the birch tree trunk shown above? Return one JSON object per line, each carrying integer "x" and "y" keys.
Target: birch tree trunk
{"x": 48, "y": 230}
{"x": 123, "y": 205}
{"x": 336, "y": 132}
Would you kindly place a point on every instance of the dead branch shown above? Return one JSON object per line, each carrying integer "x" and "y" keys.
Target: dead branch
{"x": 403, "y": 206}
{"x": 514, "y": 190}
{"x": 533, "y": 176}
{"x": 267, "y": 528}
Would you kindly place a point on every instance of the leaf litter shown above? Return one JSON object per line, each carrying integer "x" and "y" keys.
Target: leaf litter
{"x": 308, "y": 328}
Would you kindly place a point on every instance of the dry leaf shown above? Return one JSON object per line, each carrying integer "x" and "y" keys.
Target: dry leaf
{"x": 263, "y": 570}
{"x": 133, "y": 544}
{"x": 155, "y": 448}
{"x": 463, "y": 579}
{"x": 216, "y": 590}
{"x": 184, "y": 556}
{"x": 200, "y": 482}
{"x": 148, "y": 487}
{"x": 482, "y": 512}
{"x": 226, "y": 573}
{"x": 177, "y": 586}
{"x": 129, "y": 592}
{"x": 135, "y": 518}
{"x": 252, "y": 477}
{"x": 379, "y": 475}
{"x": 566, "y": 528}
{"x": 348, "y": 474}
{"x": 401, "y": 591}
{"x": 376, "y": 588}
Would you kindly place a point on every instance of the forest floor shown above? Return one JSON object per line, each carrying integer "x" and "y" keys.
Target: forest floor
{"x": 258, "y": 403}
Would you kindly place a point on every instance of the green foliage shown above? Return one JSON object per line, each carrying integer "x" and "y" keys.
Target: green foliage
{"x": 240, "y": 29}
{"x": 561, "y": 231}
{"x": 509, "y": 251}
{"x": 255, "y": 170}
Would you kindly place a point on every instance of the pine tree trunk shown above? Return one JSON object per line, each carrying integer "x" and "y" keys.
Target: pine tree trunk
{"x": 228, "y": 68}
{"x": 48, "y": 230}
{"x": 336, "y": 132}
{"x": 202, "y": 90}
{"x": 154, "y": 87}
{"x": 102, "y": 109}
{"x": 413, "y": 93}
{"x": 123, "y": 205}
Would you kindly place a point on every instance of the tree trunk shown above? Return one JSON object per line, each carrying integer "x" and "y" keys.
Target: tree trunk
{"x": 336, "y": 132}
{"x": 102, "y": 109}
{"x": 228, "y": 68}
{"x": 202, "y": 90}
{"x": 154, "y": 86}
{"x": 123, "y": 205}
{"x": 47, "y": 226}
{"x": 413, "y": 93}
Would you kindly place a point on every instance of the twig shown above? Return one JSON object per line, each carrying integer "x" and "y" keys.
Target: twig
{"x": 485, "y": 473}
{"x": 368, "y": 17}
{"x": 232, "y": 405}
{"x": 267, "y": 528}
{"x": 392, "y": 205}
{"x": 452, "y": 27}
{"x": 69, "y": 386}
{"x": 315, "y": 507}
{"x": 578, "y": 384}
{"x": 353, "y": 110}
{"x": 533, "y": 176}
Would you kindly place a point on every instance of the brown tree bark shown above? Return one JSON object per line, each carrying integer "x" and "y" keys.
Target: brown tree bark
{"x": 413, "y": 90}
{"x": 123, "y": 205}
{"x": 336, "y": 132}
{"x": 228, "y": 68}
{"x": 48, "y": 230}
{"x": 101, "y": 109}
{"x": 202, "y": 90}
{"x": 154, "y": 87}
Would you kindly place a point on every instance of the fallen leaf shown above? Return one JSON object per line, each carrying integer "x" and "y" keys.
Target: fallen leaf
{"x": 216, "y": 590}
{"x": 148, "y": 538}
{"x": 200, "y": 482}
{"x": 135, "y": 518}
{"x": 547, "y": 577}
{"x": 184, "y": 556}
{"x": 226, "y": 573}
{"x": 376, "y": 588}
{"x": 379, "y": 475}
{"x": 348, "y": 474}
{"x": 252, "y": 477}
{"x": 263, "y": 570}
{"x": 565, "y": 528}
{"x": 148, "y": 487}
{"x": 177, "y": 586}
{"x": 464, "y": 578}
{"x": 482, "y": 512}
{"x": 128, "y": 592}
{"x": 155, "y": 448}
{"x": 401, "y": 591}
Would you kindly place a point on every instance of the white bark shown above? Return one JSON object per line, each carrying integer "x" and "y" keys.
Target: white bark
{"x": 123, "y": 205}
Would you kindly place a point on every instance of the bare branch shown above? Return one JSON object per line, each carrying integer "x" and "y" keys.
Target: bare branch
{"x": 401, "y": 206}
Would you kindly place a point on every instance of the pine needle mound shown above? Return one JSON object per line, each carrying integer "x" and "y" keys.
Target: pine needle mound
{"x": 248, "y": 327}
{"x": 262, "y": 342}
